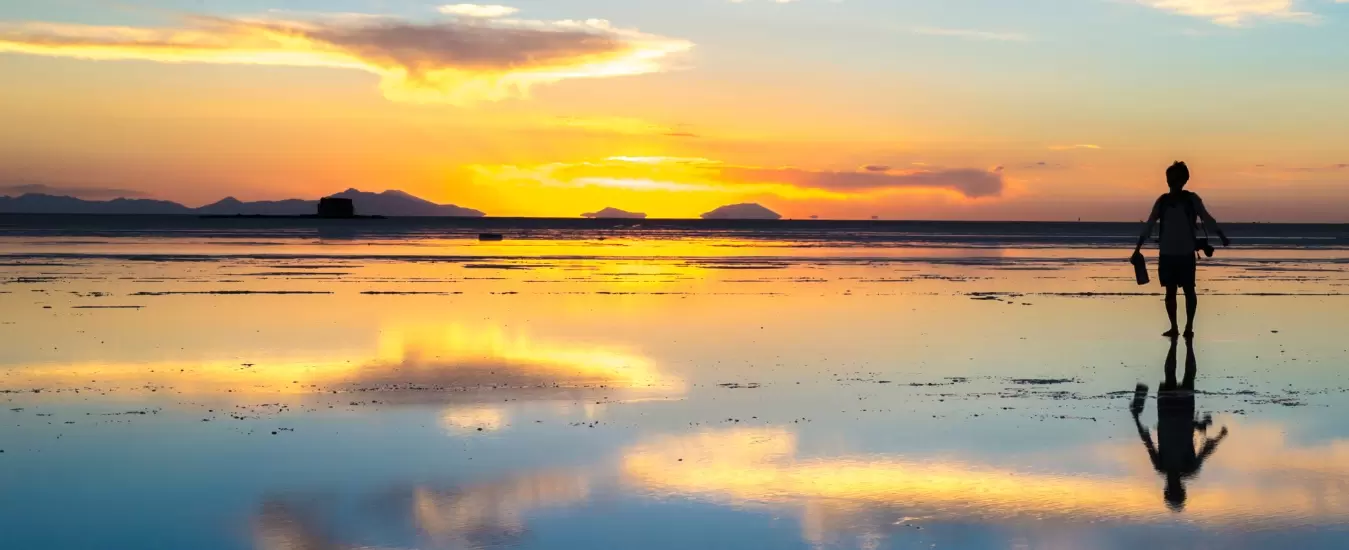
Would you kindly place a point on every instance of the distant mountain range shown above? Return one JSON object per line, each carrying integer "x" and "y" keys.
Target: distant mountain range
{"x": 389, "y": 203}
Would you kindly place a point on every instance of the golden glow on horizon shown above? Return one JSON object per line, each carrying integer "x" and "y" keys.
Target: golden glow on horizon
{"x": 670, "y": 182}
{"x": 618, "y": 125}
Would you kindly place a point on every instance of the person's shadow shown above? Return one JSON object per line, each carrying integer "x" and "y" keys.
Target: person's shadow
{"x": 1174, "y": 455}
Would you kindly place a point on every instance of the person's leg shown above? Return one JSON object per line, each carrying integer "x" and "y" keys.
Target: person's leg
{"x": 1171, "y": 311}
{"x": 1191, "y": 366}
{"x": 1191, "y": 302}
{"x": 1169, "y": 368}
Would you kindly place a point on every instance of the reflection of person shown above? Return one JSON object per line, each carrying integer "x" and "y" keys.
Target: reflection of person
{"x": 1174, "y": 455}
{"x": 1176, "y": 211}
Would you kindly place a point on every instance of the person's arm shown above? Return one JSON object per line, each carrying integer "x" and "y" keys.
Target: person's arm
{"x": 1209, "y": 222}
{"x": 1211, "y": 445}
{"x": 1147, "y": 230}
{"x": 1146, "y": 436}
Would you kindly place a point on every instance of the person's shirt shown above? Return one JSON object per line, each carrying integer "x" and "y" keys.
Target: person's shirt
{"x": 1178, "y": 223}
{"x": 1175, "y": 446}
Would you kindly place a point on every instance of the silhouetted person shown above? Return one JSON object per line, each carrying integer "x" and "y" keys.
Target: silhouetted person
{"x": 1179, "y": 243}
{"x": 1174, "y": 455}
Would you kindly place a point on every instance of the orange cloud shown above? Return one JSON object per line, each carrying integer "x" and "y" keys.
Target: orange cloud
{"x": 459, "y": 61}
{"x": 971, "y": 183}
{"x": 679, "y": 174}
{"x": 620, "y": 125}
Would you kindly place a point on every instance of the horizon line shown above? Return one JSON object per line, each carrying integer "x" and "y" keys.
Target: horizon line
{"x": 583, "y": 218}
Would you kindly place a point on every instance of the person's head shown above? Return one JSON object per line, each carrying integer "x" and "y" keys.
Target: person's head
{"x": 1174, "y": 493}
{"x": 1177, "y": 175}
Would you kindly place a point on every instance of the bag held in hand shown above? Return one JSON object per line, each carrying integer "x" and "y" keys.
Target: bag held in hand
{"x": 1140, "y": 268}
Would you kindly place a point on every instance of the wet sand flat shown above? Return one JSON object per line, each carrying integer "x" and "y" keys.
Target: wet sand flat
{"x": 667, "y": 393}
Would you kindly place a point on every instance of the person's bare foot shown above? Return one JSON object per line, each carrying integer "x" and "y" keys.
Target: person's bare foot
{"x": 1189, "y": 334}
{"x": 1174, "y": 332}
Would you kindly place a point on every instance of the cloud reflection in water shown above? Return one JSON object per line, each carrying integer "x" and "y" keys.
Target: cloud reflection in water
{"x": 867, "y": 494}
{"x": 491, "y": 514}
{"x": 448, "y": 357}
{"x": 860, "y": 500}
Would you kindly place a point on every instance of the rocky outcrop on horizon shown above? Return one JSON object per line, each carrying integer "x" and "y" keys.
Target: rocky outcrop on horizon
{"x": 614, "y": 213}
{"x": 745, "y": 211}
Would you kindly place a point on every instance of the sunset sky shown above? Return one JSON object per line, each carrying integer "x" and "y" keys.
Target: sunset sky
{"x": 910, "y": 109}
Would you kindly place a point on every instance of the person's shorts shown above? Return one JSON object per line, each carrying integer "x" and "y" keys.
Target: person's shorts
{"x": 1176, "y": 270}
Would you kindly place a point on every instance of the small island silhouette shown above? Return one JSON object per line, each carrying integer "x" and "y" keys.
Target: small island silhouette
{"x": 745, "y": 211}
{"x": 614, "y": 213}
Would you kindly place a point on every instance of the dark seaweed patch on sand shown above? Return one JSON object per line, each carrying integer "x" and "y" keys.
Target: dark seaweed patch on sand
{"x": 1096, "y": 294}
{"x": 1043, "y": 381}
{"x": 742, "y": 266}
{"x": 993, "y": 296}
{"x": 779, "y": 280}
{"x": 508, "y": 266}
{"x": 1279, "y": 400}
{"x": 632, "y": 274}
{"x": 228, "y": 292}
{"x": 29, "y": 280}
{"x": 249, "y": 243}
{"x": 1129, "y": 294}
{"x": 106, "y": 307}
{"x": 294, "y": 274}
{"x": 950, "y": 278}
{"x": 1269, "y": 294}
{"x": 407, "y": 293}
{"x": 170, "y": 258}
{"x": 1295, "y": 269}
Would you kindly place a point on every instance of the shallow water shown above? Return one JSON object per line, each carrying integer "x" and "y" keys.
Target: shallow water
{"x": 171, "y": 391}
